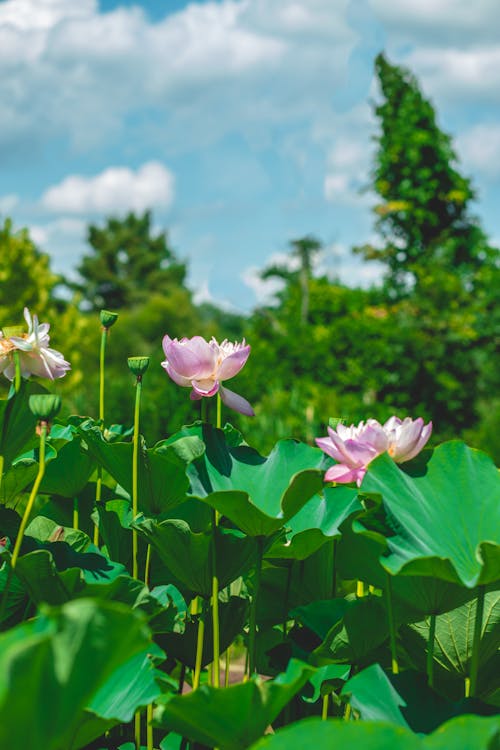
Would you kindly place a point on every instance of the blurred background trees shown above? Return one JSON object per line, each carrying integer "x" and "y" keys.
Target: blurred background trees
{"x": 423, "y": 342}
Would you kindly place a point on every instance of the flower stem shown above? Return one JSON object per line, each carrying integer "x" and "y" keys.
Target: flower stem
{"x": 24, "y": 521}
{"x": 215, "y": 583}
{"x": 392, "y": 625}
{"x": 199, "y": 642}
{"x": 149, "y": 727}
{"x": 2, "y": 463}
{"x": 215, "y": 603}
{"x": 76, "y": 513}
{"x": 102, "y": 356}
{"x": 324, "y": 711}
{"x": 147, "y": 567}
{"x": 430, "y": 650}
{"x": 135, "y": 562}
{"x": 33, "y": 494}
{"x": 252, "y": 633}
{"x": 137, "y": 730}
{"x": 476, "y": 642}
{"x": 98, "y": 486}
{"x": 228, "y": 667}
{"x": 17, "y": 376}
{"x": 135, "y": 473}
{"x": 219, "y": 411}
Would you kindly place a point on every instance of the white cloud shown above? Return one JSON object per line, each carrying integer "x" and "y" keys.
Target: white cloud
{"x": 71, "y": 71}
{"x": 64, "y": 239}
{"x": 348, "y": 170}
{"x": 459, "y": 74}
{"x": 116, "y": 190}
{"x": 479, "y": 149}
{"x": 450, "y": 21}
{"x": 8, "y": 203}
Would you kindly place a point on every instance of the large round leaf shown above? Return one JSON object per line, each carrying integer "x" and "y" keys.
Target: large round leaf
{"x": 316, "y": 522}
{"x": 453, "y": 644}
{"x": 446, "y": 518}
{"x": 259, "y": 494}
{"x": 57, "y": 664}
{"x": 234, "y": 717}
{"x": 359, "y": 557}
{"x": 189, "y": 555}
{"x": 162, "y": 476}
{"x": 464, "y": 733}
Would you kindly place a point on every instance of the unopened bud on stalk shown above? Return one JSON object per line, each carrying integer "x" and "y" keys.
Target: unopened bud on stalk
{"x": 108, "y": 318}
{"x": 138, "y": 365}
{"x": 45, "y": 406}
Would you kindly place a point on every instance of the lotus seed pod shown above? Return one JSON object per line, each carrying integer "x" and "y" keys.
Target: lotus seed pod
{"x": 108, "y": 318}
{"x": 138, "y": 365}
{"x": 45, "y": 406}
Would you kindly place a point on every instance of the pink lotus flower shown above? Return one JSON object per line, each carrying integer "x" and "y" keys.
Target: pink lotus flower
{"x": 203, "y": 365}
{"x": 406, "y": 437}
{"x": 355, "y": 447}
{"x": 35, "y": 355}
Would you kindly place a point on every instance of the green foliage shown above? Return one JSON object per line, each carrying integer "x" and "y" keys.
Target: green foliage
{"x": 457, "y": 492}
{"x": 60, "y": 664}
{"x": 424, "y": 218}
{"x": 232, "y": 718}
{"x": 25, "y": 276}
{"x": 127, "y": 263}
{"x": 466, "y": 733}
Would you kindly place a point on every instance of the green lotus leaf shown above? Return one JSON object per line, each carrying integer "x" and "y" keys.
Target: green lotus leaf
{"x": 258, "y": 494}
{"x": 189, "y": 554}
{"x": 17, "y": 423}
{"x": 446, "y": 518}
{"x": 351, "y": 629}
{"x": 69, "y": 472}
{"x": 466, "y": 733}
{"x": 161, "y": 474}
{"x": 234, "y": 717}
{"x": 453, "y": 645}
{"x": 232, "y": 618}
{"x": 359, "y": 556}
{"x": 318, "y": 521}
{"x": 58, "y": 663}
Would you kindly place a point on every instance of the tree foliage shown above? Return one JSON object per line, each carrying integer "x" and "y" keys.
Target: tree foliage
{"x": 424, "y": 219}
{"x": 128, "y": 262}
{"x": 25, "y": 276}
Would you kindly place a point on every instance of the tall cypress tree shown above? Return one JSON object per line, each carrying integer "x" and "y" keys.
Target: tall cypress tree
{"x": 424, "y": 218}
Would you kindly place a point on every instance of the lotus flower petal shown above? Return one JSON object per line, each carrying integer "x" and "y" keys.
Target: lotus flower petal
{"x": 35, "y": 355}
{"x": 179, "y": 379}
{"x": 236, "y": 402}
{"x": 203, "y": 365}
{"x": 343, "y": 474}
{"x": 190, "y": 358}
{"x": 205, "y": 387}
{"x": 233, "y": 363}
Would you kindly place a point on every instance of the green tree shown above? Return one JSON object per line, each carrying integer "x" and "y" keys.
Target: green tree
{"x": 424, "y": 218}
{"x": 304, "y": 250}
{"x": 441, "y": 271}
{"x": 128, "y": 263}
{"x": 25, "y": 276}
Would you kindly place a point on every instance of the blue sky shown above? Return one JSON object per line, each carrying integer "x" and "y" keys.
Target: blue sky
{"x": 242, "y": 123}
